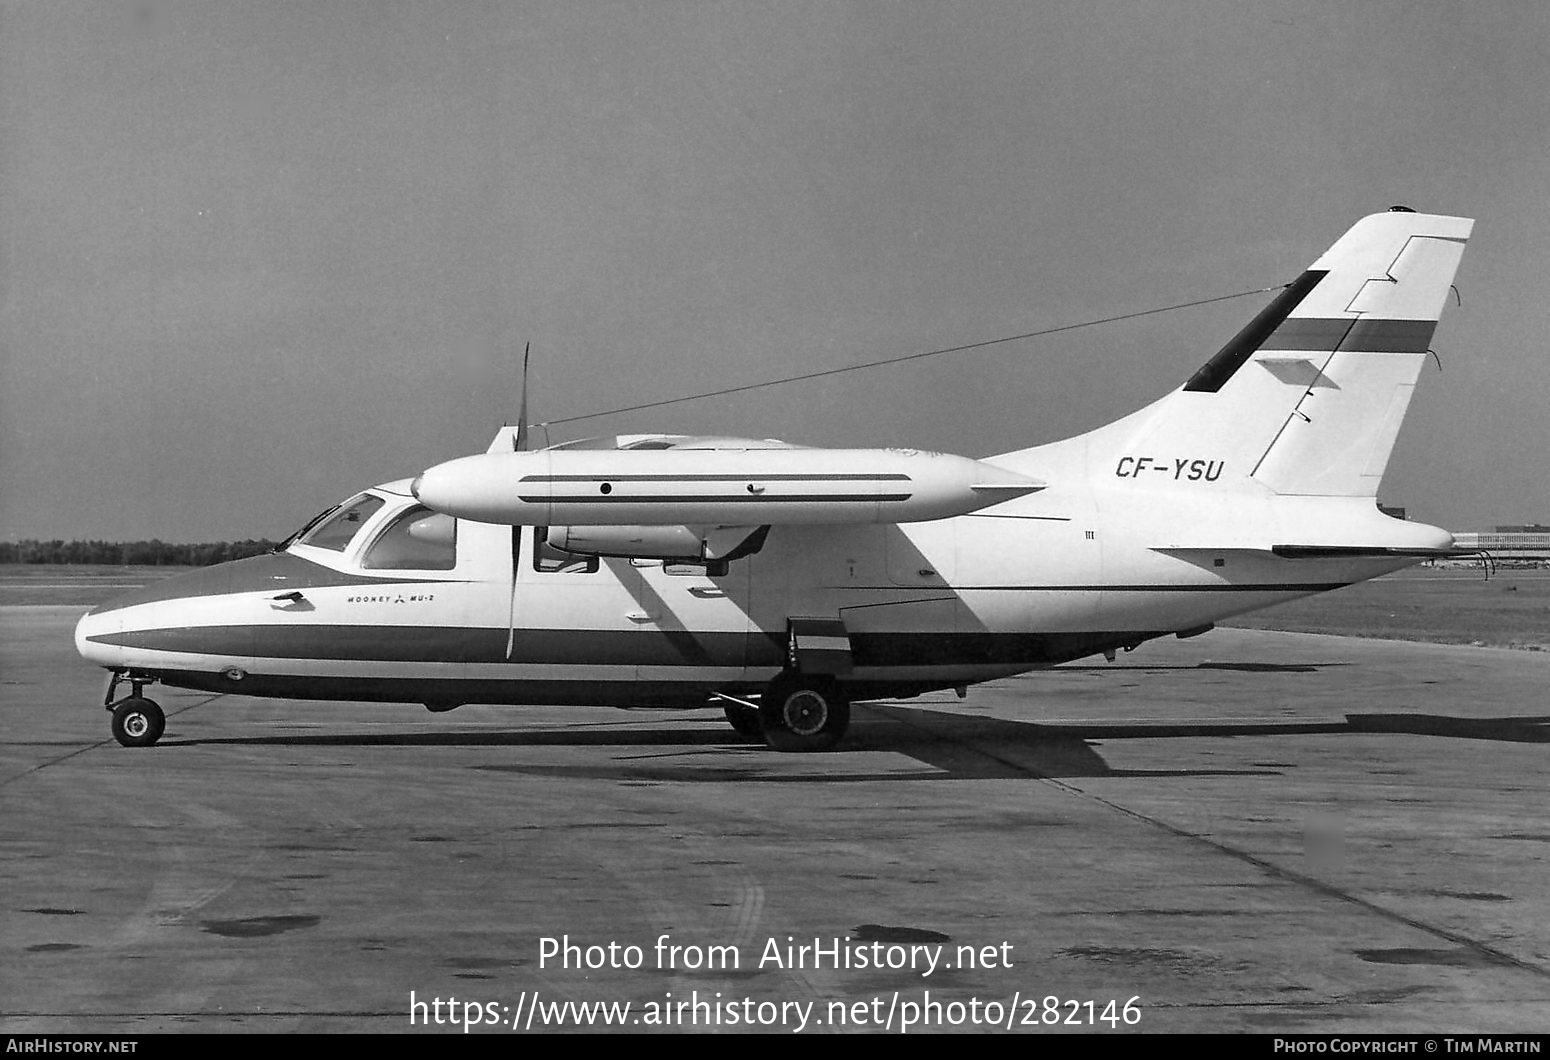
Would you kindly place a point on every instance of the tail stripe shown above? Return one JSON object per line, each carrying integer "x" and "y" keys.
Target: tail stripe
{"x": 1220, "y": 368}
{"x": 1366, "y": 336}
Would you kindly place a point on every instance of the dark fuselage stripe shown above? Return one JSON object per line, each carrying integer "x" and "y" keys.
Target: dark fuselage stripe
{"x": 561, "y": 647}
{"x": 448, "y": 644}
{"x": 782, "y": 477}
{"x": 711, "y": 498}
{"x": 1271, "y": 587}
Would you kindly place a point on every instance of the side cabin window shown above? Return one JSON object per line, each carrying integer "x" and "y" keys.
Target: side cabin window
{"x": 416, "y": 539}
{"x": 550, "y": 560}
{"x": 336, "y": 532}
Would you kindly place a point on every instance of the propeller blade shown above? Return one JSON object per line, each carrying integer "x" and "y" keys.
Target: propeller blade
{"x": 519, "y": 442}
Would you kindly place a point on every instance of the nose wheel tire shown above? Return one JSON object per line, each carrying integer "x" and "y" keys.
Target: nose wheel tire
{"x": 138, "y": 722}
{"x": 798, "y": 713}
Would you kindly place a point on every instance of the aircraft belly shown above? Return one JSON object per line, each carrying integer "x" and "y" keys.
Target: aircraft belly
{"x": 940, "y": 676}
{"x": 1185, "y": 607}
{"x": 421, "y": 686}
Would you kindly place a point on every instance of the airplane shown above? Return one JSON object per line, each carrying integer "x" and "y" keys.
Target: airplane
{"x": 783, "y": 583}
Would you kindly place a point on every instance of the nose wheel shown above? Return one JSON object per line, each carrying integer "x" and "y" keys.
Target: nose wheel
{"x": 137, "y": 721}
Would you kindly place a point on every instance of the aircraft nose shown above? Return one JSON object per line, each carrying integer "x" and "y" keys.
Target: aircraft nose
{"x": 94, "y": 624}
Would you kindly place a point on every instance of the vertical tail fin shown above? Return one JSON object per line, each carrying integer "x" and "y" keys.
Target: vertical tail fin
{"x": 1307, "y": 399}
{"x": 1352, "y": 349}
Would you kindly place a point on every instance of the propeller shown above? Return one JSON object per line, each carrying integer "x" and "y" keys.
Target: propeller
{"x": 518, "y": 444}
{"x": 519, "y": 440}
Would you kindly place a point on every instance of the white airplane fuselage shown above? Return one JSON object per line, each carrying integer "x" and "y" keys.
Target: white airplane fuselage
{"x": 1251, "y": 484}
{"x": 1033, "y": 582}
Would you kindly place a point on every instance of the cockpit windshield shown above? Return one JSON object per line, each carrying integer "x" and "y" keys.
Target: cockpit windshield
{"x": 336, "y": 532}
{"x": 295, "y": 535}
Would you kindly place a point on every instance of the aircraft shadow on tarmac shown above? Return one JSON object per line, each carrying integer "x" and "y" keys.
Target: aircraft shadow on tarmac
{"x": 954, "y": 747}
{"x": 1240, "y": 667}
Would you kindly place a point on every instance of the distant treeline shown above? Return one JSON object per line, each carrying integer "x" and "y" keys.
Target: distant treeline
{"x": 148, "y": 553}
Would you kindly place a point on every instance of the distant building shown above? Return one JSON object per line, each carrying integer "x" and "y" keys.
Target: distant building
{"x": 1510, "y": 545}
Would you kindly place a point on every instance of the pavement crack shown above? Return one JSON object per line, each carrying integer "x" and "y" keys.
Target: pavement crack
{"x": 1488, "y": 952}
{"x": 104, "y": 742}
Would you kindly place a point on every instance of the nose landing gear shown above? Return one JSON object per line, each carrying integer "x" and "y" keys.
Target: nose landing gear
{"x": 137, "y": 721}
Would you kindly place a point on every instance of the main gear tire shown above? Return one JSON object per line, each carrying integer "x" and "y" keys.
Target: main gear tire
{"x": 745, "y": 721}
{"x": 803, "y": 713}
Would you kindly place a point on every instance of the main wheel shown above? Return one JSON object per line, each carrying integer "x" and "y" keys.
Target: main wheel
{"x": 745, "y": 720}
{"x": 138, "y": 722}
{"x": 800, "y": 713}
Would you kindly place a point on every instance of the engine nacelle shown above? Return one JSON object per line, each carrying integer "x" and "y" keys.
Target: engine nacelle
{"x": 684, "y": 543}
{"x": 633, "y": 542}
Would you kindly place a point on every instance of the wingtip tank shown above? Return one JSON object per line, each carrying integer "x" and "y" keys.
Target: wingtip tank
{"x": 760, "y": 487}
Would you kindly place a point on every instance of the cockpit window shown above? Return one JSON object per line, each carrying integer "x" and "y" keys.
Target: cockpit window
{"x": 336, "y": 533}
{"x": 418, "y": 539}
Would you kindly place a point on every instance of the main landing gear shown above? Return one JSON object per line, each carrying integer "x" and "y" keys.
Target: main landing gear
{"x": 796, "y": 712}
{"x": 137, "y": 721}
{"x": 802, "y": 712}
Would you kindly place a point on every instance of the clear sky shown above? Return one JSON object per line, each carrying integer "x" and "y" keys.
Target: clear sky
{"x": 257, "y": 256}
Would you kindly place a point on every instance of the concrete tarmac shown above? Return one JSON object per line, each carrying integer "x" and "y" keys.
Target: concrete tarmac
{"x": 1247, "y": 831}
